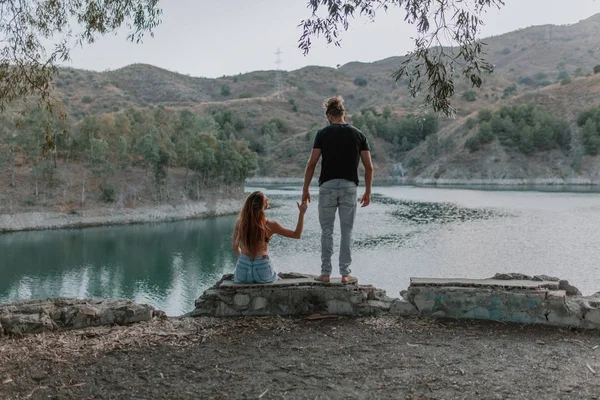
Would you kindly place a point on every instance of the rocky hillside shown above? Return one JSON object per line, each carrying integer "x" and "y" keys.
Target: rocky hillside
{"x": 547, "y": 65}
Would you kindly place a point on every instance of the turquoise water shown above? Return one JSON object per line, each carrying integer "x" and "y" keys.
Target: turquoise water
{"x": 406, "y": 232}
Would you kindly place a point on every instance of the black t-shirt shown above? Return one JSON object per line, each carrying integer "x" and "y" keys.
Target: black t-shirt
{"x": 340, "y": 146}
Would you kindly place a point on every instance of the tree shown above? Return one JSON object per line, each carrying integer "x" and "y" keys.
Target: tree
{"x": 430, "y": 62}
{"x": 597, "y": 69}
{"x": 26, "y": 28}
{"x": 469, "y": 96}
{"x": 225, "y": 90}
{"x": 360, "y": 81}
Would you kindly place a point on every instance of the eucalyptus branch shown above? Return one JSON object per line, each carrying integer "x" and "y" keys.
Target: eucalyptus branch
{"x": 457, "y": 21}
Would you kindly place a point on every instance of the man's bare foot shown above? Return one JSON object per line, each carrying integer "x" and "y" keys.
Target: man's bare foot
{"x": 348, "y": 279}
{"x": 322, "y": 278}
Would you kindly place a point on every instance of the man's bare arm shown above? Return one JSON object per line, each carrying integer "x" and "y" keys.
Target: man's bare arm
{"x": 309, "y": 172}
{"x": 365, "y": 157}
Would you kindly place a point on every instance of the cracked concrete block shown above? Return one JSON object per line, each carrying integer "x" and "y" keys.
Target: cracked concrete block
{"x": 284, "y": 309}
{"x": 524, "y": 317}
{"x": 403, "y": 308}
{"x": 556, "y": 295}
{"x": 424, "y": 302}
{"x": 358, "y": 297}
{"x": 592, "y": 318}
{"x": 384, "y": 305}
{"x": 373, "y": 307}
{"x": 339, "y": 307}
{"x": 479, "y": 313}
{"x": 555, "y": 318}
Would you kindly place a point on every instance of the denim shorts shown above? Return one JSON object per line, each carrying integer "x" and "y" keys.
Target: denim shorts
{"x": 258, "y": 270}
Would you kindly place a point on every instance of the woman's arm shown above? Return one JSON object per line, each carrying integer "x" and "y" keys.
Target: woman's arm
{"x": 235, "y": 244}
{"x": 277, "y": 228}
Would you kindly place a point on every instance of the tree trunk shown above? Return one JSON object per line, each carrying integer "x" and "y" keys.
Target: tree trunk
{"x": 12, "y": 165}
{"x": 167, "y": 184}
{"x": 83, "y": 188}
{"x": 197, "y": 189}
{"x": 55, "y": 153}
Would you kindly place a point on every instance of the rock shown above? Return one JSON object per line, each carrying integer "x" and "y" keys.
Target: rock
{"x": 556, "y": 295}
{"x": 512, "y": 276}
{"x": 35, "y": 316}
{"x": 504, "y": 277}
{"x": 403, "y": 308}
{"x": 18, "y": 324}
{"x": 223, "y": 310}
{"x": 38, "y": 376}
{"x": 546, "y": 278}
{"x": 241, "y": 300}
{"x": 570, "y": 289}
{"x": 259, "y": 303}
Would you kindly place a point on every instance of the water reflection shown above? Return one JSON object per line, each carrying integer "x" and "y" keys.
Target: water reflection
{"x": 167, "y": 264}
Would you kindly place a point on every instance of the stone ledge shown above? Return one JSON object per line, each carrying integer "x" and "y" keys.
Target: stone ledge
{"x": 295, "y": 294}
{"x": 494, "y": 283}
{"x": 542, "y": 300}
{"x": 521, "y": 302}
{"x": 35, "y": 316}
{"x": 511, "y": 297}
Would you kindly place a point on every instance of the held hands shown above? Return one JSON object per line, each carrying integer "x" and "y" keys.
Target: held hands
{"x": 366, "y": 200}
{"x": 302, "y": 207}
{"x": 305, "y": 196}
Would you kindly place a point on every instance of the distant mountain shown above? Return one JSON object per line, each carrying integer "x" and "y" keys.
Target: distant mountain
{"x": 529, "y": 65}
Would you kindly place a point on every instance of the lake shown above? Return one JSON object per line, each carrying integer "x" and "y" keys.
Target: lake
{"x": 406, "y": 232}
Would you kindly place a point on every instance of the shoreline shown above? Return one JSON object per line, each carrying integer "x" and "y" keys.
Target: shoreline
{"x": 443, "y": 182}
{"x": 112, "y": 216}
{"x": 42, "y": 220}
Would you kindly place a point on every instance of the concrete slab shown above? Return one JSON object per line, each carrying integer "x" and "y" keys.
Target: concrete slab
{"x": 464, "y": 282}
{"x": 305, "y": 280}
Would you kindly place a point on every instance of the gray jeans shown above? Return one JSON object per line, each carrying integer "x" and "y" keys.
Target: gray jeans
{"x": 337, "y": 194}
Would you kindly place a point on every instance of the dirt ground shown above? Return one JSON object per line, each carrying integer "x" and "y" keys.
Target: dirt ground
{"x": 270, "y": 358}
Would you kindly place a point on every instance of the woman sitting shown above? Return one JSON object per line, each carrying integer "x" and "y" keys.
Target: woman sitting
{"x": 251, "y": 239}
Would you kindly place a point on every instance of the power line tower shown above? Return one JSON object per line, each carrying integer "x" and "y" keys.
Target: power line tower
{"x": 278, "y": 76}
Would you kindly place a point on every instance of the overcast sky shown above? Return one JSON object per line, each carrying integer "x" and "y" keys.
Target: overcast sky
{"x": 226, "y": 37}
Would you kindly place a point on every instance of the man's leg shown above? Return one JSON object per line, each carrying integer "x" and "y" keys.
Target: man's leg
{"x": 327, "y": 209}
{"x": 347, "y": 209}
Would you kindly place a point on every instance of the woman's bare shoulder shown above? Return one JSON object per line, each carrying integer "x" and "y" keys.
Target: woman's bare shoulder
{"x": 272, "y": 224}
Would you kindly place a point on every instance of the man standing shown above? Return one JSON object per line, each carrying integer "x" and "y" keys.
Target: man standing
{"x": 341, "y": 145}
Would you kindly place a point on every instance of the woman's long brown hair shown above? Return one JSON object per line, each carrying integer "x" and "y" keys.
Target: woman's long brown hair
{"x": 252, "y": 223}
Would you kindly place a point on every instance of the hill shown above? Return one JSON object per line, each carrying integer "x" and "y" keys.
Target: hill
{"x": 136, "y": 117}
